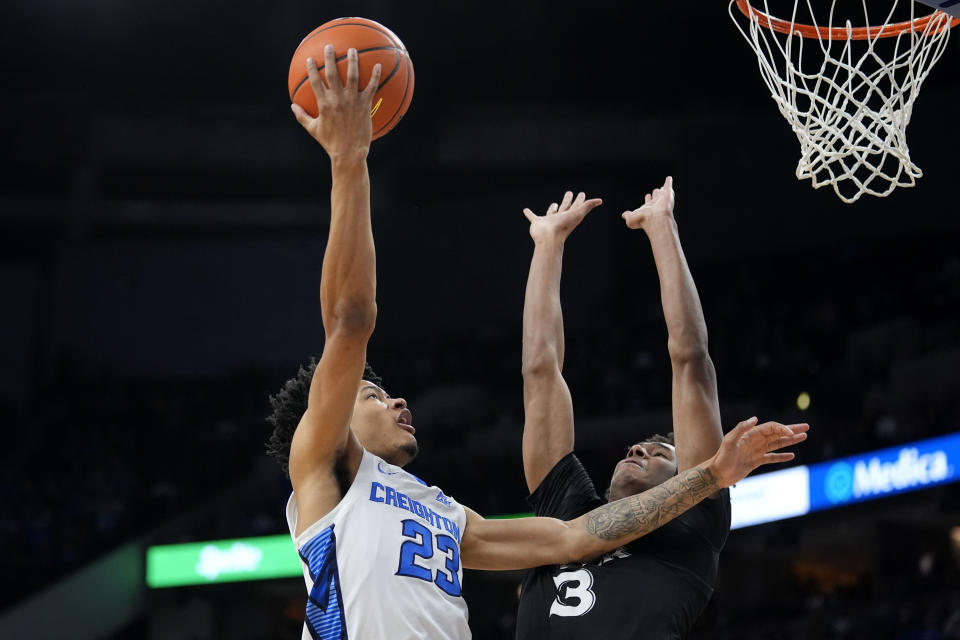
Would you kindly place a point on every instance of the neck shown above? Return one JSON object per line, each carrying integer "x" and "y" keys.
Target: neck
{"x": 619, "y": 492}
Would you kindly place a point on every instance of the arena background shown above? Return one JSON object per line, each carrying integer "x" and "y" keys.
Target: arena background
{"x": 162, "y": 223}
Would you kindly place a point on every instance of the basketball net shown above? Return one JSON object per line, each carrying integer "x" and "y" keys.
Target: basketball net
{"x": 847, "y": 98}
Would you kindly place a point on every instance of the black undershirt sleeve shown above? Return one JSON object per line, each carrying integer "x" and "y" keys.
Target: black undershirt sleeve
{"x": 712, "y": 519}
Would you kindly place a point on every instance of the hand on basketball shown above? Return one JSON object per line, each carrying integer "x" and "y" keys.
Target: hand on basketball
{"x": 560, "y": 219}
{"x": 342, "y": 126}
{"x": 750, "y": 445}
{"x": 656, "y": 206}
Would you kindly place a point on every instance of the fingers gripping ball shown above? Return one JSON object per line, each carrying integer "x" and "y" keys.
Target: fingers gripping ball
{"x": 374, "y": 43}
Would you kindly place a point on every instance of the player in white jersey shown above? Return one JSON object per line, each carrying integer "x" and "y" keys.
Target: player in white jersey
{"x": 420, "y": 529}
{"x": 383, "y": 553}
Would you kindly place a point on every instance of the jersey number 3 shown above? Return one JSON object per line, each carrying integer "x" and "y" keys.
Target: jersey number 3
{"x": 574, "y": 597}
{"x": 421, "y": 545}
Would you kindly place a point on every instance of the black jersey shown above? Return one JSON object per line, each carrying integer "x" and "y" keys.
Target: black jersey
{"x": 653, "y": 588}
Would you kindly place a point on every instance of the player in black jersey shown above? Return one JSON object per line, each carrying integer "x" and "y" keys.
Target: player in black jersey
{"x": 656, "y": 586}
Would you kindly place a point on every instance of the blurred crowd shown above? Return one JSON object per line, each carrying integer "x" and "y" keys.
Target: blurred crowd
{"x": 870, "y": 334}
{"x": 97, "y": 462}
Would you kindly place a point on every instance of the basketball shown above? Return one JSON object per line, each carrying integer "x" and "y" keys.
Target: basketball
{"x": 374, "y": 43}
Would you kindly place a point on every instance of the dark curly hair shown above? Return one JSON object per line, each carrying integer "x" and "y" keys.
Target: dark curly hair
{"x": 289, "y": 405}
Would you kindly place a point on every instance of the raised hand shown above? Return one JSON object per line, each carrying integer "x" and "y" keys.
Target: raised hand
{"x": 343, "y": 125}
{"x": 657, "y": 205}
{"x": 750, "y": 445}
{"x": 560, "y": 219}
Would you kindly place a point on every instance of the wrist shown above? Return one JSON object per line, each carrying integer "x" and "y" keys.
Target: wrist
{"x": 348, "y": 161}
{"x": 660, "y": 226}
{"x": 712, "y": 470}
{"x": 550, "y": 241}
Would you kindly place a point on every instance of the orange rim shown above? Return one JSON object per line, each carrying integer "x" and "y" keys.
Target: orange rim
{"x": 842, "y": 33}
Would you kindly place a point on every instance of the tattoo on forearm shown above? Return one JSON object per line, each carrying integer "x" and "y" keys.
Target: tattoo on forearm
{"x": 640, "y": 514}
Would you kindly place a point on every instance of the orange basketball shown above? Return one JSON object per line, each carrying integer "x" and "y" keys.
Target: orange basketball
{"x": 374, "y": 43}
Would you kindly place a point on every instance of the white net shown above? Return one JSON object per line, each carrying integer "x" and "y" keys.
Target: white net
{"x": 848, "y": 101}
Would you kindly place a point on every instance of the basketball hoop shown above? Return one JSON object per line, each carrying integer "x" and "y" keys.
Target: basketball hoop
{"x": 848, "y": 100}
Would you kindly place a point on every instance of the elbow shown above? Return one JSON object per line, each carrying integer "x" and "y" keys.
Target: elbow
{"x": 689, "y": 351}
{"x": 581, "y": 547}
{"x": 542, "y": 365}
{"x": 352, "y": 317}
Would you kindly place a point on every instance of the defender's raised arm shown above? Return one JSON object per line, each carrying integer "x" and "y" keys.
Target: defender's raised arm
{"x": 548, "y": 408}
{"x": 696, "y": 410}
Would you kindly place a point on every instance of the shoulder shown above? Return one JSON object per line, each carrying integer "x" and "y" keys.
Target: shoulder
{"x": 568, "y": 471}
{"x": 566, "y": 492}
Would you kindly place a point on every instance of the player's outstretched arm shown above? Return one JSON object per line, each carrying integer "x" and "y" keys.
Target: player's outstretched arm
{"x": 548, "y": 407}
{"x": 347, "y": 283}
{"x": 532, "y": 542}
{"x": 696, "y": 410}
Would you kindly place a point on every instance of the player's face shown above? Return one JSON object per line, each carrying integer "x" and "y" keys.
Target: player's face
{"x": 384, "y": 425}
{"x": 646, "y": 465}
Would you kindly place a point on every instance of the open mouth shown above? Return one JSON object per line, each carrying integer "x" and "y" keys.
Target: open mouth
{"x": 404, "y": 421}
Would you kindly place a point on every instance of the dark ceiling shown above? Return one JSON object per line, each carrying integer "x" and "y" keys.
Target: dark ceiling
{"x": 145, "y": 142}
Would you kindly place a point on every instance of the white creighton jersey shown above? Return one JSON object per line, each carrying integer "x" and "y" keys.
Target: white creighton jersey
{"x": 385, "y": 563}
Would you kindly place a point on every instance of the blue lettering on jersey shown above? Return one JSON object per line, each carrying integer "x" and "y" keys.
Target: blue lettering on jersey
{"x": 384, "y": 494}
{"x": 392, "y": 496}
{"x": 452, "y": 528}
{"x": 324, "y": 617}
{"x": 421, "y": 545}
